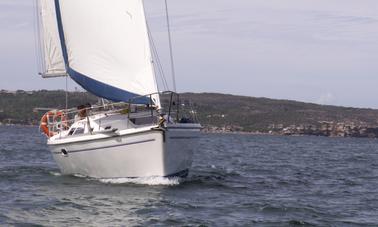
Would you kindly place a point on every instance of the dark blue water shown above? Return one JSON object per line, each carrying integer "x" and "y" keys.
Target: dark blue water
{"x": 236, "y": 180}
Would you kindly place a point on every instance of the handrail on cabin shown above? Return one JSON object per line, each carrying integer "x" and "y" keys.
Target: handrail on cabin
{"x": 129, "y": 104}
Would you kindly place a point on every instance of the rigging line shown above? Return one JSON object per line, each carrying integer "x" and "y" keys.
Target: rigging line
{"x": 41, "y": 39}
{"x": 161, "y": 72}
{"x": 36, "y": 28}
{"x": 157, "y": 58}
{"x": 170, "y": 47}
{"x": 153, "y": 55}
{"x": 164, "y": 80}
{"x": 66, "y": 92}
{"x": 149, "y": 34}
{"x": 159, "y": 65}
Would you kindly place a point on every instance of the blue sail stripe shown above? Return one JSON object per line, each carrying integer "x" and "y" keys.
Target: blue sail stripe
{"x": 104, "y": 90}
{"x": 61, "y": 32}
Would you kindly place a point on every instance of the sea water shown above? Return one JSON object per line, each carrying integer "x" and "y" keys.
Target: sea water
{"x": 235, "y": 180}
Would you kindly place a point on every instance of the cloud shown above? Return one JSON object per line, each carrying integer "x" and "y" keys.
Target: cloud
{"x": 272, "y": 48}
{"x": 326, "y": 99}
{"x": 16, "y": 15}
{"x": 15, "y": 3}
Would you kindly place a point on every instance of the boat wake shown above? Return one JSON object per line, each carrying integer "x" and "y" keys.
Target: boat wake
{"x": 154, "y": 181}
{"x": 171, "y": 181}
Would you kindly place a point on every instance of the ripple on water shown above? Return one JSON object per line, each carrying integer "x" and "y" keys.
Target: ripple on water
{"x": 236, "y": 180}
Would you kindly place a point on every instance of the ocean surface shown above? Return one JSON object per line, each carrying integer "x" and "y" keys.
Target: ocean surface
{"x": 236, "y": 180}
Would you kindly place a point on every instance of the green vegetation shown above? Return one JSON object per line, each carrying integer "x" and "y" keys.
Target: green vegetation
{"x": 237, "y": 113}
{"x": 262, "y": 114}
{"x": 17, "y": 107}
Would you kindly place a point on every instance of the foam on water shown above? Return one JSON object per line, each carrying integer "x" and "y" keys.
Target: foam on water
{"x": 172, "y": 181}
{"x": 79, "y": 175}
{"x": 57, "y": 174}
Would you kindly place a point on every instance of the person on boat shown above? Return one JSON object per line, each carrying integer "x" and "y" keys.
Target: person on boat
{"x": 83, "y": 112}
{"x": 164, "y": 119}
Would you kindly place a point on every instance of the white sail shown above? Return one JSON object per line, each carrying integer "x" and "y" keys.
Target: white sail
{"x": 52, "y": 57}
{"x": 107, "y": 47}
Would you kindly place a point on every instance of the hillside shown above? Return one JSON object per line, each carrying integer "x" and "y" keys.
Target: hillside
{"x": 17, "y": 107}
{"x": 217, "y": 112}
{"x": 220, "y": 112}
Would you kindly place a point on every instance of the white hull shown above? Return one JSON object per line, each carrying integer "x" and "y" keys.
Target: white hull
{"x": 141, "y": 153}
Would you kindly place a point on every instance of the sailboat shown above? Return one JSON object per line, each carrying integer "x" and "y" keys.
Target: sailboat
{"x": 137, "y": 130}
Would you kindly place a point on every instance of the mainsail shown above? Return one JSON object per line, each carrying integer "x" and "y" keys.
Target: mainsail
{"x": 105, "y": 46}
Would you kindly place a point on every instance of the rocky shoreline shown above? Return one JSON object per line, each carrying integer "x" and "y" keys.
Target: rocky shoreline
{"x": 331, "y": 129}
{"x": 324, "y": 128}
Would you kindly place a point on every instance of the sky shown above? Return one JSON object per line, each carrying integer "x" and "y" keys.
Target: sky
{"x": 320, "y": 51}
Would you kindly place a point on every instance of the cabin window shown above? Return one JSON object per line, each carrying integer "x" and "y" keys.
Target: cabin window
{"x": 79, "y": 131}
{"x": 70, "y": 133}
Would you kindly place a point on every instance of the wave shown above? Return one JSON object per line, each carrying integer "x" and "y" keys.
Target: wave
{"x": 168, "y": 181}
{"x": 154, "y": 181}
{"x": 56, "y": 174}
